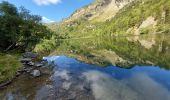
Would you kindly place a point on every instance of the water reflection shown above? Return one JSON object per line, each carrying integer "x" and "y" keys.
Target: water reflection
{"x": 112, "y": 83}
{"x": 105, "y": 87}
{"x": 74, "y": 80}
{"x": 153, "y": 49}
{"x": 138, "y": 87}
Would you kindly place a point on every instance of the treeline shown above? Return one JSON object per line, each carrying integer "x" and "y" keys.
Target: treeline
{"x": 20, "y": 30}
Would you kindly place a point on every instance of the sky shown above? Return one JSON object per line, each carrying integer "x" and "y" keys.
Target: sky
{"x": 51, "y": 10}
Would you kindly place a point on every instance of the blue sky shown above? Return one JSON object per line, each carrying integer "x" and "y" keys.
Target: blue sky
{"x": 51, "y": 10}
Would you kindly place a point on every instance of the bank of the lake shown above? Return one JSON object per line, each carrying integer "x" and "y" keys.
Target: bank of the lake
{"x": 9, "y": 64}
{"x": 13, "y": 65}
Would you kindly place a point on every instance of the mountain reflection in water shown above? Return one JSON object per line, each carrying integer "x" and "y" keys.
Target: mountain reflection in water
{"x": 74, "y": 80}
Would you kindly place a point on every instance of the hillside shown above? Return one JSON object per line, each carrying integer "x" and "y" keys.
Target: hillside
{"x": 117, "y": 17}
{"x": 143, "y": 24}
{"x": 101, "y": 10}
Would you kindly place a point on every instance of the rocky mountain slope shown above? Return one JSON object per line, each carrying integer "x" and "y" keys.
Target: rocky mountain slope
{"x": 101, "y": 10}
{"x": 117, "y": 17}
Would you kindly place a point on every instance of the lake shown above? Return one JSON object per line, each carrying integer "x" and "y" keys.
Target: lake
{"x": 100, "y": 68}
{"x": 75, "y": 80}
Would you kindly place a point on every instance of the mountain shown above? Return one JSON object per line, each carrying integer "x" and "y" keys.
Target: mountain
{"x": 117, "y": 17}
{"x": 101, "y": 10}
{"x": 119, "y": 31}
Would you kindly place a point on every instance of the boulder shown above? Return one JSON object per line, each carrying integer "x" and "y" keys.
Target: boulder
{"x": 35, "y": 73}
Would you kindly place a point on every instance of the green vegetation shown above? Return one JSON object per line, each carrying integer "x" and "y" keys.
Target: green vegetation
{"x": 9, "y": 64}
{"x": 19, "y": 30}
{"x": 138, "y": 11}
{"x": 133, "y": 51}
{"x": 128, "y": 17}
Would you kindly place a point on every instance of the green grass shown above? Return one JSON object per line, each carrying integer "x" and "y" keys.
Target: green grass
{"x": 9, "y": 64}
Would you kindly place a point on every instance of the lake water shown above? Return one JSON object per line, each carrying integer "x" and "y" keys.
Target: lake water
{"x": 75, "y": 80}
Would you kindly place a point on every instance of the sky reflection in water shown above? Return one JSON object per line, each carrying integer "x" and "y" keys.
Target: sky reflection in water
{"x": 112, "y": 83}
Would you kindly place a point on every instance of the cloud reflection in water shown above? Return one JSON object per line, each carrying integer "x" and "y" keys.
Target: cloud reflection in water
{"x": 138, "y": 87}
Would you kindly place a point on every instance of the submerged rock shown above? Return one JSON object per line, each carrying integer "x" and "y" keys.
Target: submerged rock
{"x": 35, "y": 73}
{"x": 46, "y": 70}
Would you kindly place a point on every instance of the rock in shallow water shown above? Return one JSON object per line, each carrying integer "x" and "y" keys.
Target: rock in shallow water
{"x": 30, "y": 55}
{"x": 35, "y": 73}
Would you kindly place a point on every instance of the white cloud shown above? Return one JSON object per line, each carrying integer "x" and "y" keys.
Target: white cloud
{"x": 46, "y": 20}
{"x": 46, "y": 2}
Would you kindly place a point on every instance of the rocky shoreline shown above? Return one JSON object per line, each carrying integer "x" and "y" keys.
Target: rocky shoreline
{"x": 30, "y": 66}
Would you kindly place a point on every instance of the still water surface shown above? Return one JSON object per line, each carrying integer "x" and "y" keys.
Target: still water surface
{"x": 75, "y": 80}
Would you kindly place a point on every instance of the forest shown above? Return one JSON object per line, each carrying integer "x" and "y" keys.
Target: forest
{"x": 20, "y": 30}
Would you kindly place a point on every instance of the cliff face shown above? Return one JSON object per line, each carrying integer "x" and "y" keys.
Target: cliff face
{"x": 101, "y": 10}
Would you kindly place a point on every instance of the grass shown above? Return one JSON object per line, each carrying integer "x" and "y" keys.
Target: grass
{"x": 9, "y": 64}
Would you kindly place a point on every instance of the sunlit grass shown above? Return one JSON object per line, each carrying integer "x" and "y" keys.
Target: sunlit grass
{"x": 9, "y": 64}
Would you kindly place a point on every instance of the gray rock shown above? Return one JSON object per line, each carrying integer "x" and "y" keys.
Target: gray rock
{"x": 30, "y": 55}
{"x": 35, "y": 73}
{"x": 38, "y": 65}
{"x": 72, "y": 96}
{"x": 27, "y": 69}
{"x": 45, "y": 70}
{"x": 30, "y": 63}
{"x": 25, "y": 60}
{"x": 149, "y": 62}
